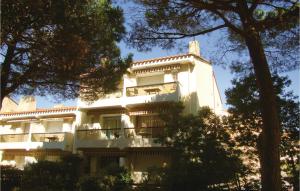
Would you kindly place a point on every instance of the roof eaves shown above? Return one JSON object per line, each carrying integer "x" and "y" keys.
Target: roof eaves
{"x": 40, "y": 111}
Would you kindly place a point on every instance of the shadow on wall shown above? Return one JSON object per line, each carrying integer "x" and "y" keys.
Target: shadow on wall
{"x": 190, "y": 103}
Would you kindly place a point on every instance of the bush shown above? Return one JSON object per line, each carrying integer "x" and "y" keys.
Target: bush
{"x": 10, "y": 178}
{"x": 89, "y": 183}
{"x": 111, "y": 178}
{"x": 52, "y": 176}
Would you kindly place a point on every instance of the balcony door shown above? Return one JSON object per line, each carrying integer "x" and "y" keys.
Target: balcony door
{"x": 149, "y": 125}
{"x": 112, "y": 126}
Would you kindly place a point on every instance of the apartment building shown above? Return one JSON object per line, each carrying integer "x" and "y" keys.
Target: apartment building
{"x": 28, "y": 134}
{"x": 118, "y": 128}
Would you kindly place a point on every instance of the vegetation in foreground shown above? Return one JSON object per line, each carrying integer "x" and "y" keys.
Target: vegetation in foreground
{"x": 209, "y": 153}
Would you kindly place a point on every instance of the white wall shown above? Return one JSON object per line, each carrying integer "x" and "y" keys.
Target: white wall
{"x": 206, "y": 87}
{"x": 8, "y": 105}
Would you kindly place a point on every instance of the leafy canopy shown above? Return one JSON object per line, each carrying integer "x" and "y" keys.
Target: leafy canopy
{"x": 245, "y": 118}
{"x": 164, "y": 23}
{"x": 62, "y": 47}
{"x": 204, "y": 157}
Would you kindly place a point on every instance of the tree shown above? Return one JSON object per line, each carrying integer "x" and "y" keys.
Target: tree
{"x": 246, "y": 119}
{"x": 10, "y": 178}
{"x": 256, "y": 25}
{"x": 110, "y": 178}
{"x": 61, "y": 47}
{"x": 52, "y": 176}
{"x": 204, "y": 157}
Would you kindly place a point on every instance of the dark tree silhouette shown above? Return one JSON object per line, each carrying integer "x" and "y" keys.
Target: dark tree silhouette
{"x": 60, "y": 47}
{"x": 255, "y": 24}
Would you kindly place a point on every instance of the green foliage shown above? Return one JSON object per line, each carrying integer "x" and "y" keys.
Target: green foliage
{"x": 153, "y": 180}
{"x": 44, "y": 175}
{"x": 51, "y": 176}
{"x": 204, "y": 155}
{"x": 88, "y": 183}
{"x": 245, "y": 118}
{"x": 164, "y": 23}
{"x": 10, "y": 178}
{"x": 64, "y": 175}
{"x": 61, "y": 47}
{"x": 111, "y": 178}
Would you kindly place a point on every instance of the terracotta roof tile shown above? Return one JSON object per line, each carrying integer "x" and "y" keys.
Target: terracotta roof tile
{"x": 40, "y": 111}
{"x": 167, "y": 58}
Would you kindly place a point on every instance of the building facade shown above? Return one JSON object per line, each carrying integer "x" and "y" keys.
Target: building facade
{"x": 118, "y": 128}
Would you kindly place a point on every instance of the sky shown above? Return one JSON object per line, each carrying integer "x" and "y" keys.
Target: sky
{"x": 223, "y": 74}
{"x": 208, "y": 48}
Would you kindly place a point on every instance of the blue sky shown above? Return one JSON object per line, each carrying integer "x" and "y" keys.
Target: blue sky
{"x": 208, "y": 46}
{"x": 223, "y": 75}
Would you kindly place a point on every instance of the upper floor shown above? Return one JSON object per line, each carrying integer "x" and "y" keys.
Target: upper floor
{"x": 38, "y": 129}
{"x": 125, "y": 118}
{"x": 188, "y": 78}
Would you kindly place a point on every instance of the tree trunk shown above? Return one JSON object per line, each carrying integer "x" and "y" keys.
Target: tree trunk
{"x": 270, "y": 137}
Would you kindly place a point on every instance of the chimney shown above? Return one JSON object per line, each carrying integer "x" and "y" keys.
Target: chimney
{"x": 194, "y": 48}
{"x": 27, "y": 103}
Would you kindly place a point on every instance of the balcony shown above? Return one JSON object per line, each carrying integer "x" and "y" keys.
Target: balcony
{"x": 118, "y": 138}
{"x": 107, "y": 100}
{"x": 152, "y": 93}
{"x": 56, "y": 140}
{"x": 4, "y": 138}
{"x": 98, "y": 134}
{"x": 145, "y": 132}
{"x": 14, "y": 141}
{"x": 62, "y": 141}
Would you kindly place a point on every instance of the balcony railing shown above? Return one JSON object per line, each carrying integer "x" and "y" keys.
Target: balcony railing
{"x": 145, "y": 132}
{"x": 4, "y": 138}
{"x": 98, "y": 134}
{"x": 48, "y": 137}
{"x": 110, "y": 134}
{"x": 116, "y": 94}
{"x": 164, "y": 88}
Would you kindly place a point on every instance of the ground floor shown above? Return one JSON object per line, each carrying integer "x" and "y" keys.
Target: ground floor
{"x": 19, "y": 158}
{"x": 136, "y": 160}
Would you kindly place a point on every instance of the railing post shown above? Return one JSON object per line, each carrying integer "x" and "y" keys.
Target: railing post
{"x": 125, "y": 120}
{"x": 29, "y": 138}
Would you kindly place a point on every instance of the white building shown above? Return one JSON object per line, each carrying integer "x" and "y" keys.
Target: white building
{"x": 121, "y": 126}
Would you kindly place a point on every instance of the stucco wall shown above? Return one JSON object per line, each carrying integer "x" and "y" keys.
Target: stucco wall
{"x": 8, "y": 105}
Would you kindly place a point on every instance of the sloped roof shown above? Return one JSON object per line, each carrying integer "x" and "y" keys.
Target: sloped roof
{"x": 40, "y": 111}
{"x": 167, "y": 58}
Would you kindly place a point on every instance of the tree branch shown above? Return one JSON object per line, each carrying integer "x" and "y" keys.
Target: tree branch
{"x": 183, "y": 35}
{"x": 5, "y": 68}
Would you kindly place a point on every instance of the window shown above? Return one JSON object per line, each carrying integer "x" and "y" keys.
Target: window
{"x": 149, "y": 121}
{"x": 26, "y": 127}
{"x": 112, "y": 127}
{"x": 175, "y": 76}
{"x": 149, "y": 126}
{"x": 156, "y": 79}
{"x": 107, "y": 161}
{"x": 54, "y": 126}
{"x": 112, "y": 122}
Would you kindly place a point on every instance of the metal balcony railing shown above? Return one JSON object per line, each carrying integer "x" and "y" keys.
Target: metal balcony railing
{"x": 6, "y": 138}
{"x": 145, "y": 132}
{"x": 164, "y": 88}
{"x": 98, "y": 134}
{"x": 48, "y": 137}
{"x": 116, "y": 94}
{"x": 109, "y": 134}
